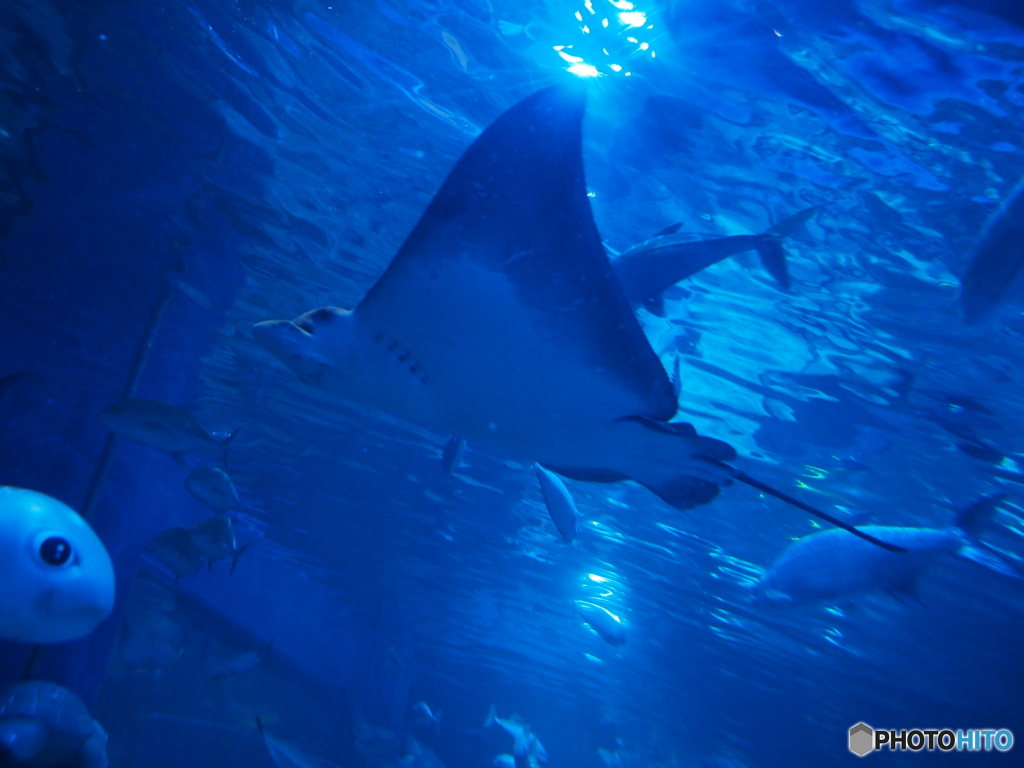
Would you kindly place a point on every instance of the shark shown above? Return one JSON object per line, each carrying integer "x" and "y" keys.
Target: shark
{"x": 646, "y": 270}
{"x": 501, "y": 320}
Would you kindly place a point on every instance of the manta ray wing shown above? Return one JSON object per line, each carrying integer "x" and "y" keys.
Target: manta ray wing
{"x": 504, "y": 283}
{"x": 501, "y": 321}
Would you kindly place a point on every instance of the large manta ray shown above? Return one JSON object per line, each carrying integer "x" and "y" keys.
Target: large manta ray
{"x": 500, "y": 320}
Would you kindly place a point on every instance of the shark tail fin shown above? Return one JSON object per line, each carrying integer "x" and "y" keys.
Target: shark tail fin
{"x": 973, "y": 518}
{"x": 769, "y": 248}
{"x": 971, "y": 521}
{"x": 773, "y": 259}
{"x": 492, "y": 716}
{"x": 786, "y": 227}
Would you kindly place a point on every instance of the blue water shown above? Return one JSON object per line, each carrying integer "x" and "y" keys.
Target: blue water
{"x": 171, "y": 173}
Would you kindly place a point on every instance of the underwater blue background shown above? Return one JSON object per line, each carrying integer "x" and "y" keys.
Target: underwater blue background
{"x": 171, "y": 173}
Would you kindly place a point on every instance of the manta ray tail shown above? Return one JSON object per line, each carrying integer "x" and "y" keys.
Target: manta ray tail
{"x": 743, "y": 477}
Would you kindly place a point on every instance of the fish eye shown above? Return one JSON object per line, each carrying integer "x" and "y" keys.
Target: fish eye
{"x": 55, "y": 551}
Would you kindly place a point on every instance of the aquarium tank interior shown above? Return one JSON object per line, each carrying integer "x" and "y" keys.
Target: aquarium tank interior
{"x": 535, "y": 384}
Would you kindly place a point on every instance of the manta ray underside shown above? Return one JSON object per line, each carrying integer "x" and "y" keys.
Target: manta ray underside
{"x": 500, "y": 320}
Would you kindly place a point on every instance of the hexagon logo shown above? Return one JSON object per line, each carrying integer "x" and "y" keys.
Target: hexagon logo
{"x": 862, "y": 739}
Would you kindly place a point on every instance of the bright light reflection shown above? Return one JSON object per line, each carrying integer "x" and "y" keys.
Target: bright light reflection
{"x": 584, "y": 70}
{"x": 633, "y": 18}
{"x": 611, "y": 44}
{"x": 598, "y": 579}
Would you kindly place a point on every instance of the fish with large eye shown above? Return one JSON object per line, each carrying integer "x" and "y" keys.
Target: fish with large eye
{"x": 58, "y": 581}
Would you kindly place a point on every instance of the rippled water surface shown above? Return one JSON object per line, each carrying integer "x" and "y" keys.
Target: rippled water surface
{"x": 194, "y": 168}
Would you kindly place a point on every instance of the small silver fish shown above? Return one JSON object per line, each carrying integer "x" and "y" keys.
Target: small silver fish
{"x": 220, "y": 660}
{"x": 214, "y": 538}
{"x": 176, "y": 550}
{"x": 606, "y": 624}
{"x": 559, "y": 503}
{"x": 159, "y": 425}
{"x": 287, "y": 755}
{"x": 151, "y": 634}
{"x": 213, "y": 486}
{"x": 525, "y": 742}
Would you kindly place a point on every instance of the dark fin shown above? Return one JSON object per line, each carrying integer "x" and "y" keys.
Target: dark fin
{"x": 585, "y": 475}
{"x": 906, "y": 591}
{"x": 981, "y": 451}
{"x": 708, "y": 448}
{"x": 907, "y": 595}
{"x": 684, "y": 492}
{"x": 683, "y": 446}
{"x": 655, "y": 305}
{"x": 786, "y": 227}
{"x": 973, "y": 518}
{"x": 770, "y": 249}
{"x": 451, "y": 454}
{"x": 671, "y": 229}
{"x": 996, "y": 260}
{"x": 743, "y": 477}
{"x": 773, "y": 258}
{"x": 238, "y": 554}
{"x": 684, "y": 429}
{"x": 259, "y": 724}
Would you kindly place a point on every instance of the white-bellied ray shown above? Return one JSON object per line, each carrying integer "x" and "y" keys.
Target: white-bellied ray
{"x": 500, "y": 320}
